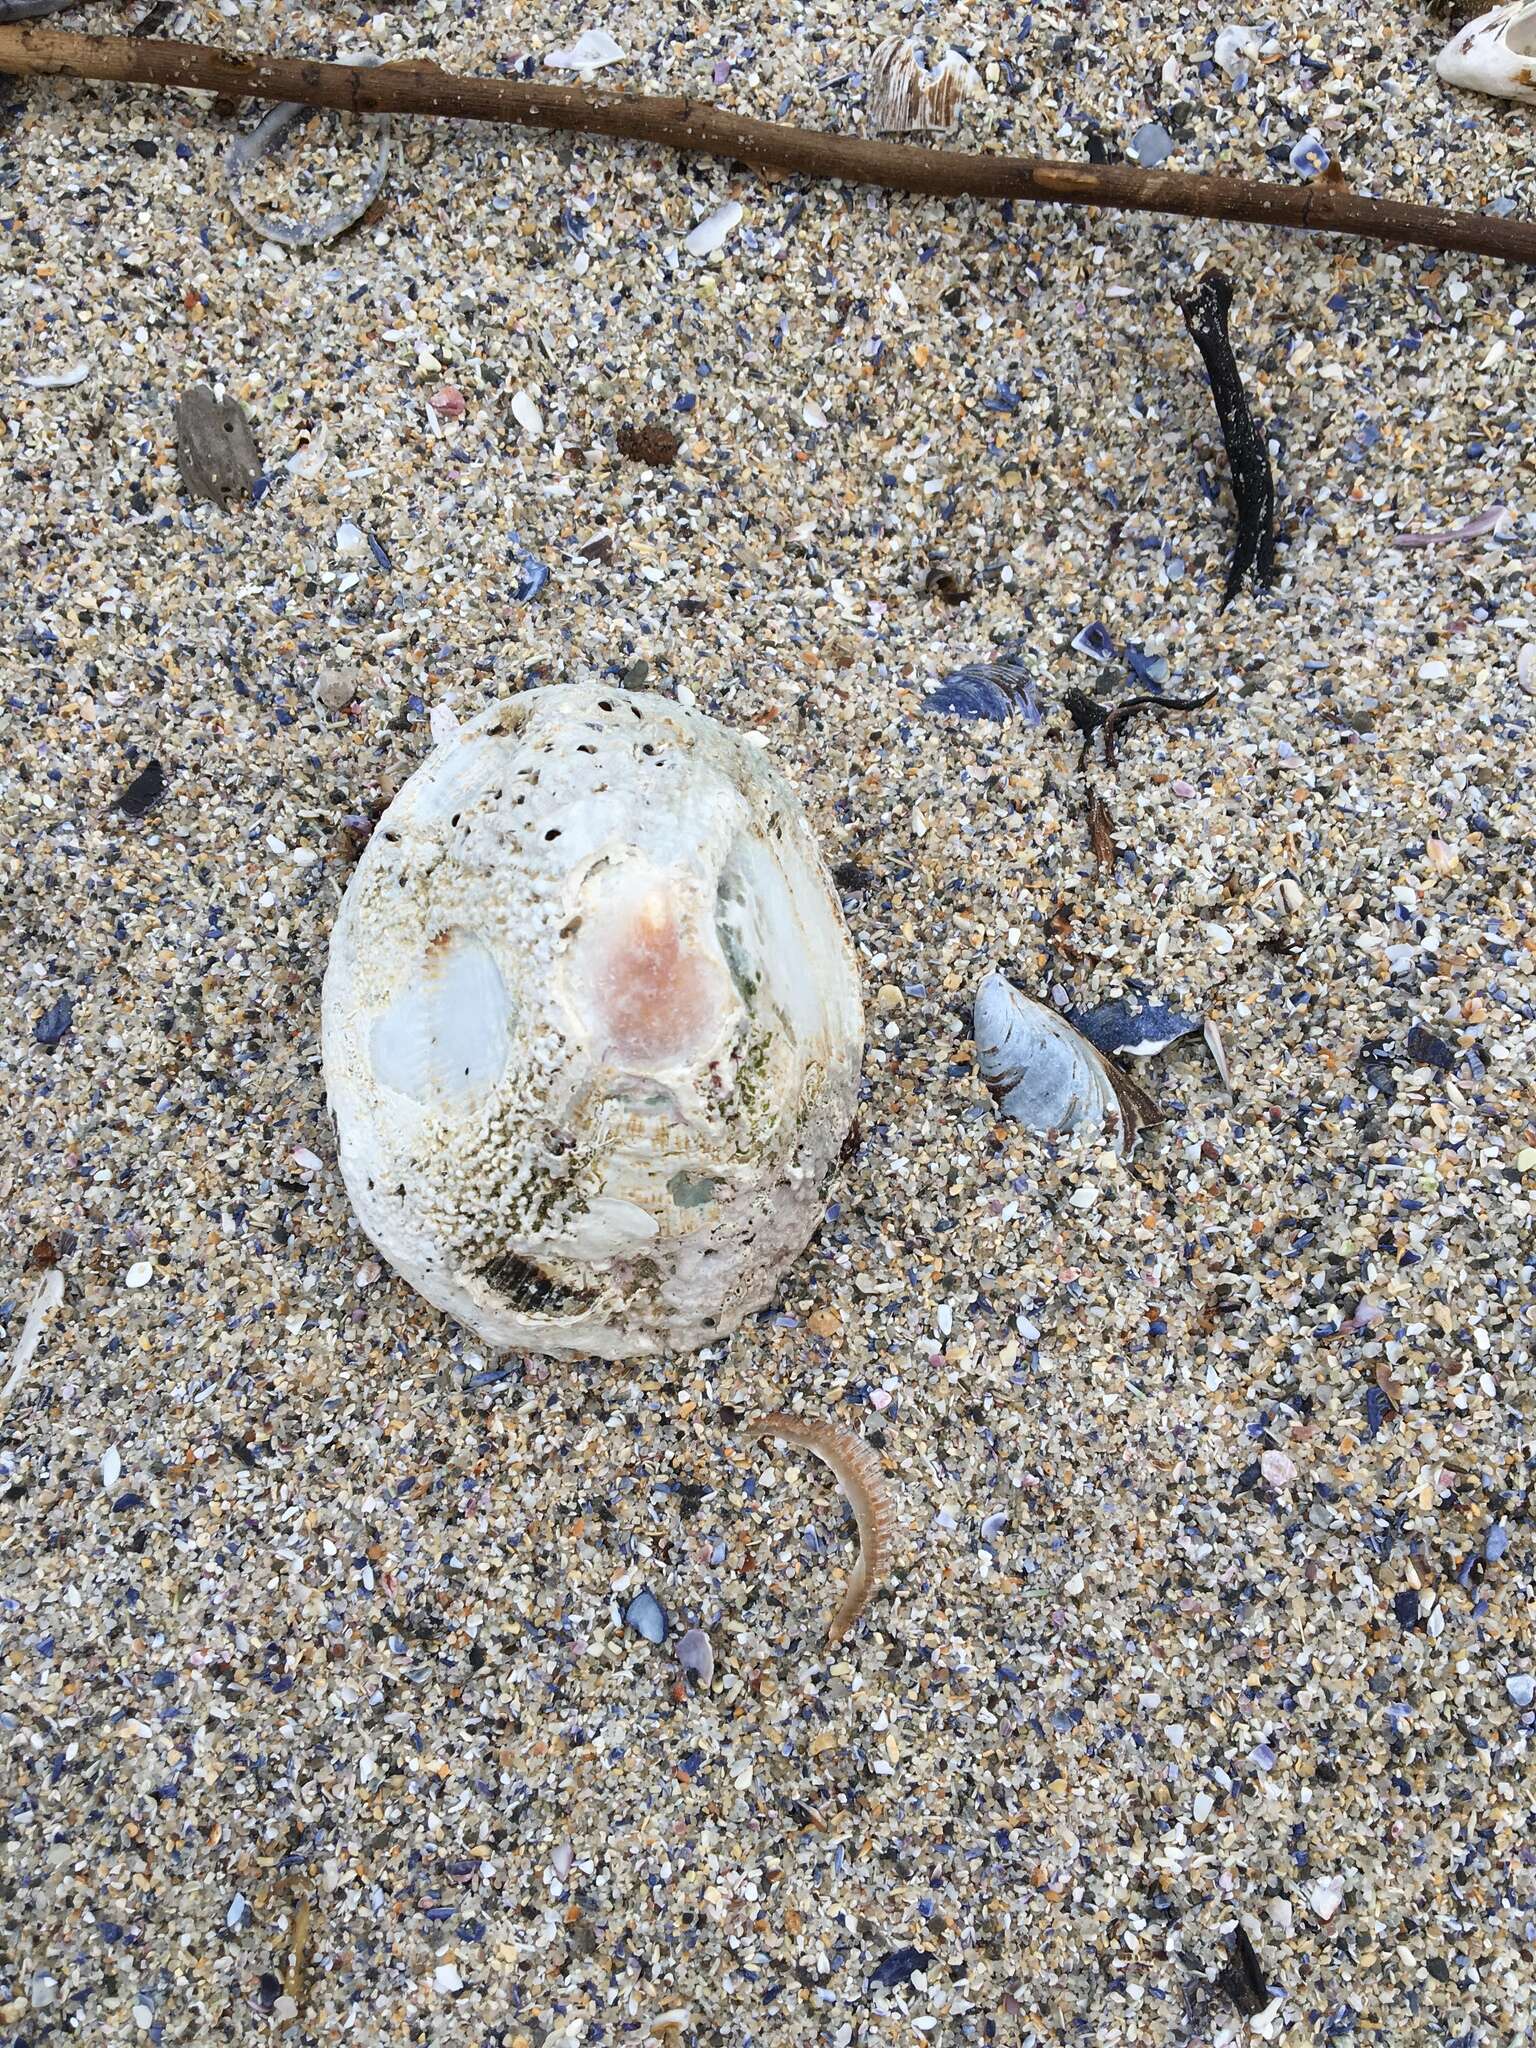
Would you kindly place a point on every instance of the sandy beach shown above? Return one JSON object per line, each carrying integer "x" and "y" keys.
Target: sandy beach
{"x": 1211, "y": 1601}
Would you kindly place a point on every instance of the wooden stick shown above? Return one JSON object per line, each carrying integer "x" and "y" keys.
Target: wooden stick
{"x": 1327, "y": 206}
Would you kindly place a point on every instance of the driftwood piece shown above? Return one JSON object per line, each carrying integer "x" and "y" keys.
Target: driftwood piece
{"x": 1325, "y": 206}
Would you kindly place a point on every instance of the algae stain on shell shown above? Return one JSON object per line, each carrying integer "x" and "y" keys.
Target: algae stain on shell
{"x": 592, "y": 1026}
{"x": 443, "y": 1040}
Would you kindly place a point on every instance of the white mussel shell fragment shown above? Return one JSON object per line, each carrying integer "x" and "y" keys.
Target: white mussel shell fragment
{"x": 592, "y": 1027}
{"x": 593, "y": 48}
{"x": 1047, "y": 1075}
{"x": 907, "y": 98}
{"x": 1495, "y": 54}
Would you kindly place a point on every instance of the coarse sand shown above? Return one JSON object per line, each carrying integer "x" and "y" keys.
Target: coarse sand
{"x": 1210, "y": 1602}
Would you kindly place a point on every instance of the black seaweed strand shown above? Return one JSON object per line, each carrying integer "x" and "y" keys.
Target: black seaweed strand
{"x": 1205, "y": 311}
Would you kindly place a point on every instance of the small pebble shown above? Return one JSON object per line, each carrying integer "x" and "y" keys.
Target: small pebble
{"x": 144, "y": 792}
{"x": 1521, "y": 1688}
{"x": 1278, "y": 1470}
{"x": 645, "y": 1616}
{"x": 140, "y": 1273}
{"x": 1151, "y": 145}
{"x": 446, "y": 1979}
{"x": 714, "y": 230}
{"x": 1326, "y": 1897}
{"x": 336, "y": 687}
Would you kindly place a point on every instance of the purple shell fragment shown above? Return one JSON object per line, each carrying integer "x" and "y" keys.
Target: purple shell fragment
{"x": 1150, "y": 670}
{"x": 54, "y": 1023}
{"x": 997, "y": 690}
{"x": 1309, "y": 159}
{"x": 1095, "y": 641}
{"x": 696, "y": 1655}
{"x": 1135, "y": 1023}
{"x": 1492, "y": 521}
{"x": 899, "y": 1967}
{"x": 1151, "y": 145}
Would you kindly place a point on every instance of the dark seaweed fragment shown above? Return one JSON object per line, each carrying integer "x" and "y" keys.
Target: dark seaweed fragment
{"x": 1123, "y": 713}
{"x": 1205, "y": 311}
{"x": 144, "y": 792}
{"x": 1242, "y": 1976}
{"x": 1101, "y": 831}
{"x": 1086, "y": 716}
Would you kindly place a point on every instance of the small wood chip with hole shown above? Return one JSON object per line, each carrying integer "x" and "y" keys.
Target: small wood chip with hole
{"x": 215, "y": 449}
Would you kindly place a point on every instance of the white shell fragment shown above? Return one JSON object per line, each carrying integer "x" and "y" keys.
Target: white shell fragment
{"x": 48, "y": 1295}
{"x": 1047, "y": 1075}
{"x": 590, "y": 51}
{"x": 1233, "y": 44}
{"x": 715, "y": 230}
{"x": 907, "y": 98}
{"x": 525, "y": 411}
{"x": 57, "y": 380}
{"x": 592, "y": 1027}
{"x": 265, "y": 137}
{"x": 1495, "y": 54}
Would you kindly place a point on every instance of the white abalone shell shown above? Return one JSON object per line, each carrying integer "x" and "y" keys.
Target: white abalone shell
{"x": 592, "y": 1028}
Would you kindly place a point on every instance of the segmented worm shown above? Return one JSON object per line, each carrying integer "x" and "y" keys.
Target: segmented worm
{"x": 857, "y": 1471}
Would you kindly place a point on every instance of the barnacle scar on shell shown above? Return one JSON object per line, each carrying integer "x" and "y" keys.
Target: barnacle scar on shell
{"x": 857, "y": 1471}
{"x": 592, "y": 1028}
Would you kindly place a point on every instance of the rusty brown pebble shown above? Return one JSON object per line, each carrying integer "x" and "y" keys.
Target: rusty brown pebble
{"x": 652, "y": 444}
{"x": 857, "y": 1471}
